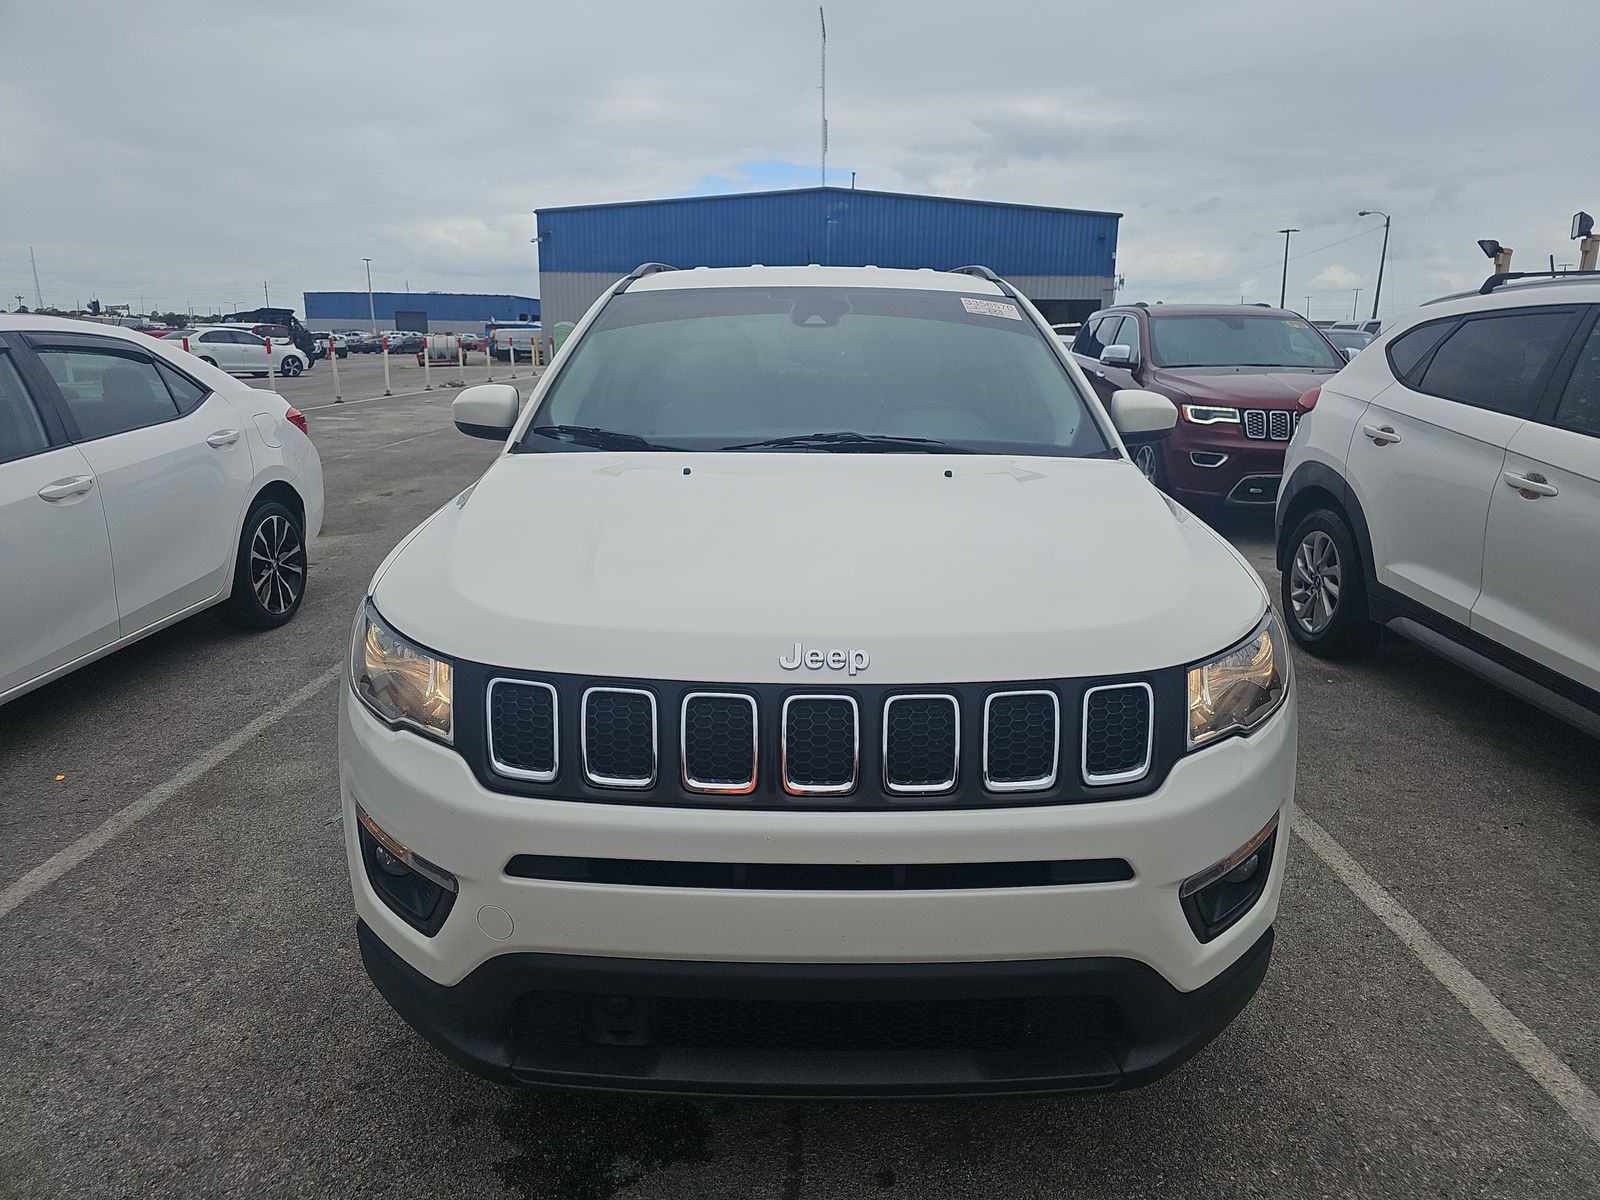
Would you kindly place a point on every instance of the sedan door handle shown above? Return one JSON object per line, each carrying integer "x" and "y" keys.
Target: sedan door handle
{"x": 1531, "y": 486}
{"x": 1381, "y": 435}
{"x": 223, "y": 437}
{"x": 61, "y": 489}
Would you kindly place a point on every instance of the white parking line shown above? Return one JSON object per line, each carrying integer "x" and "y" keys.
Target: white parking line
{"x": 119, "y": 822}
{"x": 370, "y": 399}
{"x": 1531, "y": 1054}
{"x": 389, "y": 445}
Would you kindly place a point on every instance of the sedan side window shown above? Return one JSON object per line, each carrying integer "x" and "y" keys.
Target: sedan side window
{"x": 1498, "y": 362}
{"x": 21, "y": 431}
{"x": 1579, "y": 409}
{"x": 184, "y": 390}
{"x": 109, "y": 393}
{"x": 215, "y": 335}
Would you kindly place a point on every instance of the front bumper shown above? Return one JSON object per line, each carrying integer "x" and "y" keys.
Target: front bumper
{"x": 1248, "y": 473}
{"x": 540, "y": 1019}
{"x": 1116, "y": 960}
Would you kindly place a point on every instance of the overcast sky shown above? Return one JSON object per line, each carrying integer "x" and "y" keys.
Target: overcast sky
{"x": 185, "y": 152}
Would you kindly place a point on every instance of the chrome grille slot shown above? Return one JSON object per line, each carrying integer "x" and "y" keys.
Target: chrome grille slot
{"x": 619, "y": 737}
{"x": 524, "y": 730}
{"x": 1118, "y": 733}
{"x": 921, "y": 743}
{"x": 1255, "y": 423}
{"x": 718, "y": 742}
{"x": 1280, "y": 425}
{"x": 1021, "y": 740}
{"x": 820, "y": 745}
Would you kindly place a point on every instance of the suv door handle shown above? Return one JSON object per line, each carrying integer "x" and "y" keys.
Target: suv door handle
{"x": 1531, "y": 486}
{"x": 223, "y": 437}
{"x": 61, "y": 489}
{"x": 1381, "y": 435}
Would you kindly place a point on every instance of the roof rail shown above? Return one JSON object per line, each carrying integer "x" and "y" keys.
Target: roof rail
{"x": 983, "y": 272}
{"x": 639, "y": 272}
{"x": 1501, "y": 277}
{"x": 1140, "y": 304}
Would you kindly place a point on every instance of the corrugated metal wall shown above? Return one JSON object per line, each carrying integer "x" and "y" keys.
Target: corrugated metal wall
{"x": 440, "y": 306}
{"x": 832, "y": 226}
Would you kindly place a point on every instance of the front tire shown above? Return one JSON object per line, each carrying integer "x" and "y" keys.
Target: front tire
{"x": 1152, "y": 463}
{"x": 269, "y": 572}
{"x": 1324, "y": 589}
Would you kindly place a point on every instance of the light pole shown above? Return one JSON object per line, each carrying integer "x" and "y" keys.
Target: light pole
{"x": 1308, "y": 308}
{"x": 1355, "y": 304}
{"x": 1283, "y": 288}
{"x": 372, "y": 311}
{"x": 1382, "y": 254}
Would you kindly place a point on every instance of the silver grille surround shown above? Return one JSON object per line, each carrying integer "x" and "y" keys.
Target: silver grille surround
{"x": 615, "y": 781}
{"x": 815, "y": 789}
{"x": 1269, "y": 424}
{"x": 719, "y": 789}
{"x": 900, "y": 789}
{"x": 1132, "y": 775}
{"x": 510, "y": 772}
{"x": 1023, "y": 785}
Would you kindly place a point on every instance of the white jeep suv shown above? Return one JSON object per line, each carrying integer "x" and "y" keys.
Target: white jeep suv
{"x": 1446, "y": 484}
{"x": 814, "y": 699}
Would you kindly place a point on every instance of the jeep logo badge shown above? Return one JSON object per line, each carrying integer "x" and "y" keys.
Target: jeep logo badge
{"x": 853, "y": 661}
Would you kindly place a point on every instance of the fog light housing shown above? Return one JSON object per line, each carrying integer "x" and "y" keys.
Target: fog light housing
{"x": 417, "y": 891}
{"x": 1216, "y": 898}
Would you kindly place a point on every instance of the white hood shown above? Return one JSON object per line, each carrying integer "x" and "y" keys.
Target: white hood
{"x": 712, "y": 566}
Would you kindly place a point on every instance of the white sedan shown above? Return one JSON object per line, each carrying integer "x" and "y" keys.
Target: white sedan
{"x": 238, "y": 351}
{"x": 138, "y": 485}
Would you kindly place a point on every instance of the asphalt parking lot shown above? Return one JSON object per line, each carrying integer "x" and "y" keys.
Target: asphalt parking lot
{"x": 186, "y": 1014}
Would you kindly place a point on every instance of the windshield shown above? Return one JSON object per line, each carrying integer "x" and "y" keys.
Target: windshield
{"x": 815, "y": 370}
{"x": 1239, "y": 340}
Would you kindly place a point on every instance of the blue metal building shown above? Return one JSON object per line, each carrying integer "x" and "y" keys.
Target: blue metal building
{"x": 424, "y": 312}
{"x": 1063, "y": 259}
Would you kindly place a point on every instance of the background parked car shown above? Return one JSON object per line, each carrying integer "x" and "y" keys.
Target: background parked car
{"x": 1447, "y": 484}
{"x": 238, "y": 351}
{"x": 1349, "y": 341}
{"x": 116, "y": 447}
{"x": 1236, "y": 373}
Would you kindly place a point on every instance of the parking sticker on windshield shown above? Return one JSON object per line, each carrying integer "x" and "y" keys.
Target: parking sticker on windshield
{"x": 992, "y": 308}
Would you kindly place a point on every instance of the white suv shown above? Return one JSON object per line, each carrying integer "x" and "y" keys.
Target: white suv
{"x": 1446, "y": 484}
{"x": 814, "y": 699}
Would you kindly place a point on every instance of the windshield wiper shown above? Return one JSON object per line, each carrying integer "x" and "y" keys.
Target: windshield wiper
{"x": 600, "y": 439}
{"x": 848, "y": 440}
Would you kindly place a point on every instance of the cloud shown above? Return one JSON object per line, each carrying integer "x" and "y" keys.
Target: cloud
{"x": 191, "y": 158}
{"x": 1335, "y": 277}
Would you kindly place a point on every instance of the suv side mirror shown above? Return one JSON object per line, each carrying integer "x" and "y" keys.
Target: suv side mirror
{"x": 1350, "y": 352}
{"x": 1142, "y": 416}
{"x": 486, "y": 410}
{"x": 1118, "y": 356}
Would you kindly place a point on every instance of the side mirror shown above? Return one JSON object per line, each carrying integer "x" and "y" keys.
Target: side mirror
{"x": 1350, "y": 352}
{"x": 1117, "y": 356}
{"x": 1141, "y": 416}
{"x": 486, "y": 410}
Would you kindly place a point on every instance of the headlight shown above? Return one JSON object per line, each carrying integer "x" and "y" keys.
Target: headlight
{"x": 398, "y": 680}
{"x": 1240, "y": 688}
{"x": 1210, "y": 414}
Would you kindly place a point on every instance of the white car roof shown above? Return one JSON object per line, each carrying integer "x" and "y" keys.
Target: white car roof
{"x": 924, "y": 279}
{"x": 28, "y": 323}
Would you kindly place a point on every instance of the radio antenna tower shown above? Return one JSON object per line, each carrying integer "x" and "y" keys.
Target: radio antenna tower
{"x": 823, "y": 19}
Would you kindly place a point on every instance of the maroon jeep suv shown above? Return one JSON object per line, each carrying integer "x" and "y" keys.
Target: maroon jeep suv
{"x": 1236, "y": 373}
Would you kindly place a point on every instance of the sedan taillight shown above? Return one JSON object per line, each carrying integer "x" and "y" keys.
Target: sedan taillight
{"x": 297, "y": 419}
